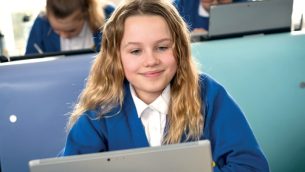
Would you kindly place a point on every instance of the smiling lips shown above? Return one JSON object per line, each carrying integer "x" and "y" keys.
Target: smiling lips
{"x": 152, "y": 74}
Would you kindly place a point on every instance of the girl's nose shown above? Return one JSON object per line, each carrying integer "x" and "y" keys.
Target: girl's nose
{"x": 151, "y": 59}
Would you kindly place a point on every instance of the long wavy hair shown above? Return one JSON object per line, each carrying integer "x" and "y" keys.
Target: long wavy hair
{"x": 92, "y": 10}
{"x": 104, "y": 88}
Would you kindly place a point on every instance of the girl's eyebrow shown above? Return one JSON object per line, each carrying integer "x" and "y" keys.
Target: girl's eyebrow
{"x": 138, "y": 43}
{"x": 164, "y": 39}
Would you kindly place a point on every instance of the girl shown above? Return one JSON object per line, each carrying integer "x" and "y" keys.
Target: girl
{"x": 68, "y": 25}
{"x": 144, "y": 90}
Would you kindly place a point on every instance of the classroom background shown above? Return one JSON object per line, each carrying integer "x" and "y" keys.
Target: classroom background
{"x": 265, "y": 74}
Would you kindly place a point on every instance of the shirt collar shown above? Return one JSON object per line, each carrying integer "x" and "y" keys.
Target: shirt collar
{"x": 161, "y": 103}
{"x": 84, "y": 30}
{"x": 202, "y": 12}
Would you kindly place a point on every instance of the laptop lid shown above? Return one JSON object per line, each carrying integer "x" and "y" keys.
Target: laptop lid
{"x": 50, "y": 54}
{"x": 193, "y": 156}
{"x": 244, "y": 18}
{"x": 250, "y": 17}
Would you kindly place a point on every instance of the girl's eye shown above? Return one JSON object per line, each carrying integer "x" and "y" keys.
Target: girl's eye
{"x": 135, "y": 52}
{"x": 162, "y": 48}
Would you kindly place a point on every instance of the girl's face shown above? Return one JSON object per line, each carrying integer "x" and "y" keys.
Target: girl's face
{"x": 67, "y": 27}
{"x": 147, "y": 55}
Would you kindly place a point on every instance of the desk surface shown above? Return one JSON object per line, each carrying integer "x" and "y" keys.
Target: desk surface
{"x": 266, "y": 76}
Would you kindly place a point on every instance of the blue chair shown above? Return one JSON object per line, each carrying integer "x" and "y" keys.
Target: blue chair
{"x": 35, "y": 99}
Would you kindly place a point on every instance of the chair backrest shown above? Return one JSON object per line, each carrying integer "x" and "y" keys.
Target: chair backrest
{"x": 266, "y": 76}
{"x": 35, "y": 97}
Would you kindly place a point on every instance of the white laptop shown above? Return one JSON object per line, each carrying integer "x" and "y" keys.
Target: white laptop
{"x": 244, "y": 18}
{"x": 184, "y": 157}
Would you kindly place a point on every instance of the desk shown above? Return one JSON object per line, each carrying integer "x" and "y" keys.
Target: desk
{"x": 266, "y": 76}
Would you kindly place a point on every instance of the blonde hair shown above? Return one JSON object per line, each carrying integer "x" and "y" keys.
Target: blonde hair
{"x": 104, "y": 88}
{"x": 92, "y": 10}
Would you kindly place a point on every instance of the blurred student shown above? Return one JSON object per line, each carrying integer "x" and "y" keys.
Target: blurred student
{"x": 196, "y": 12}
{"x": 68, "y": 25}
{"x": 144, "y": 90}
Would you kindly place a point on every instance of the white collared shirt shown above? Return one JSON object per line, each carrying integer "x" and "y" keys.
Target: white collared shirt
{"x": 153, "y": 116}
{"x": 202, "y": 12}
{"x": 82, "y": 41}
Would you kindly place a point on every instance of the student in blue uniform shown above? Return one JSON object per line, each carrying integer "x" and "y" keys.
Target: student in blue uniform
{"x": 144, "y": 90}
{"x": 196, "y": 12}
{"x": 68, "y": 25}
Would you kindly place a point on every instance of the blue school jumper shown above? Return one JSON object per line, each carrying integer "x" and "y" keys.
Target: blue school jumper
{"x": 234, "y": 147}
